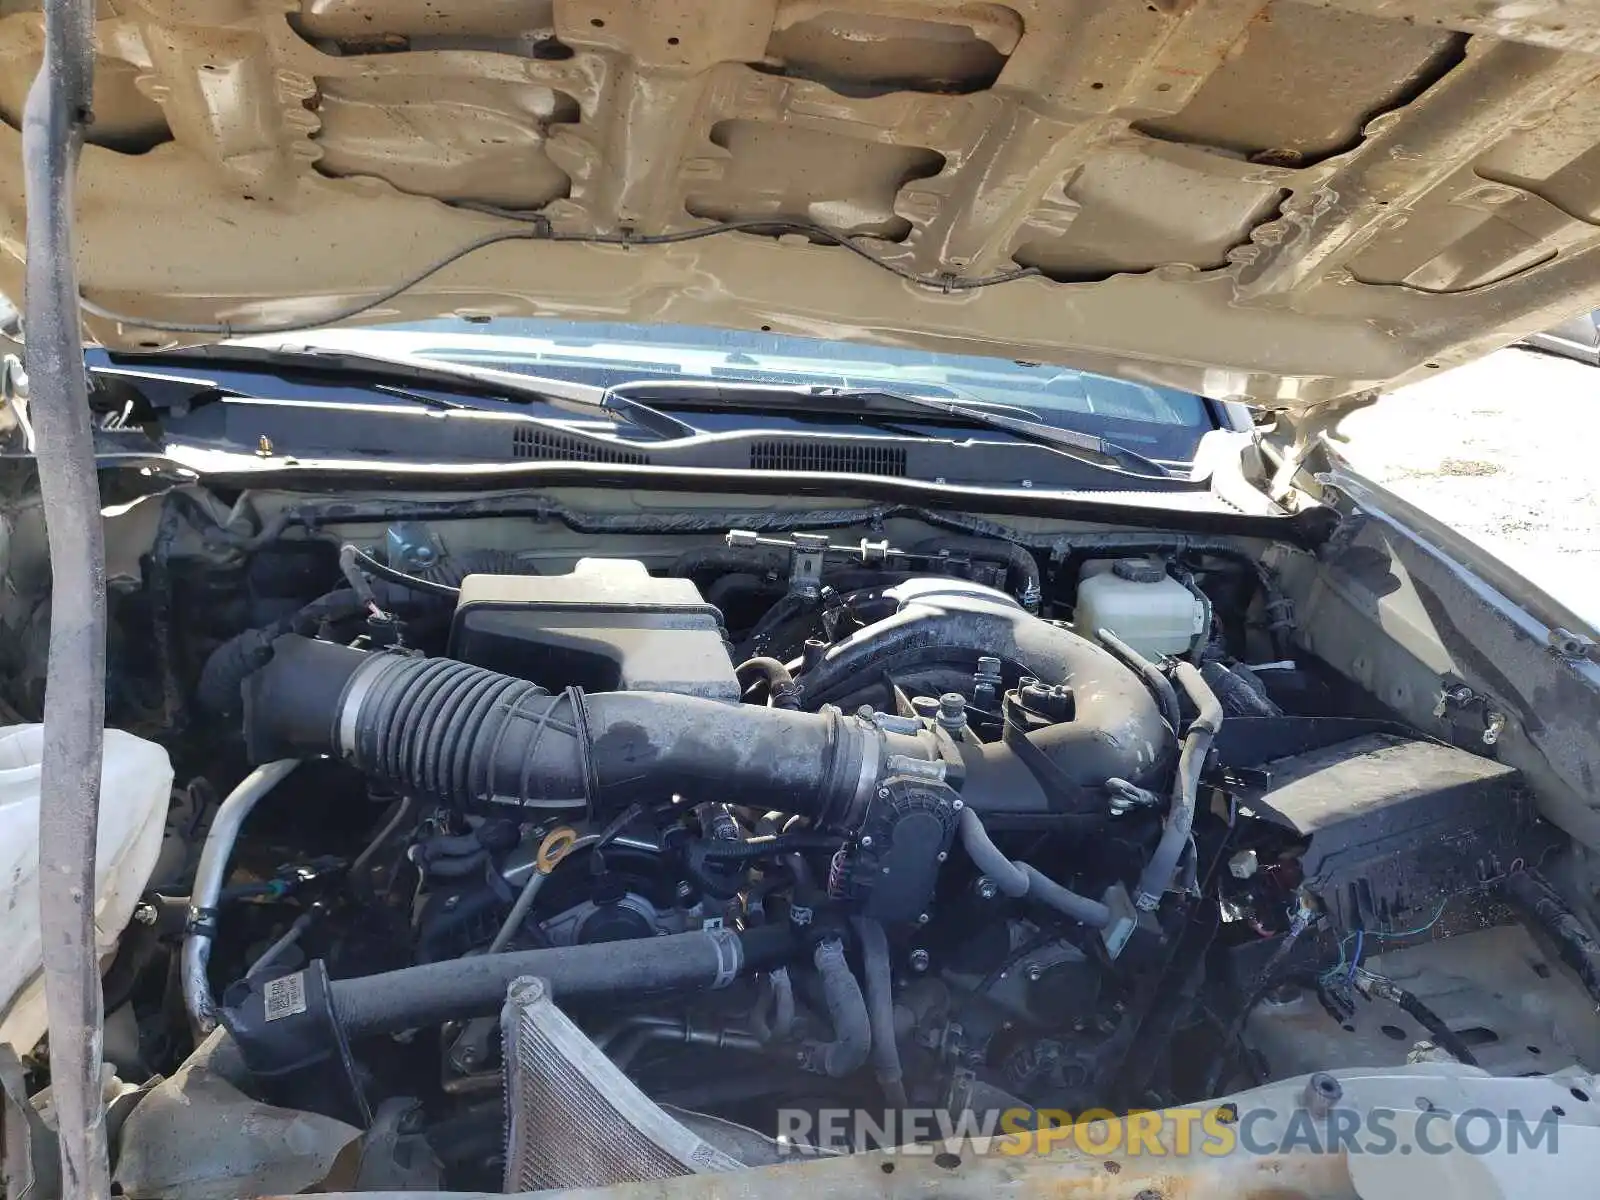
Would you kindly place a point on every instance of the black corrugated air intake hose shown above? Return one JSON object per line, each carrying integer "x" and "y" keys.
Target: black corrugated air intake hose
{"x": 467, "y": 736}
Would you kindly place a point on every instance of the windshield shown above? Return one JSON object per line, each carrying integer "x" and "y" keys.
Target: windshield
{"x": 1161, "y": 423}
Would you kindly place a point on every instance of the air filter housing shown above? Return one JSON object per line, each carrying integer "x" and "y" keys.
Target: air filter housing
{"x": 573, "y": 1119}
{"x": 609, "y": 626}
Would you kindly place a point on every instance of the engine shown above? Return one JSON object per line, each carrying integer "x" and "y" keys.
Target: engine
{"x": 787, "y": 824}
{"x": 594, "y": 788}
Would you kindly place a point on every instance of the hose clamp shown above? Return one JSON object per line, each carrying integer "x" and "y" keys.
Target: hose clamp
{"x": 870, "y": 739}
{"x": 201, "y": 923}
{"x": 362, "y": 681}
{"x": 730, "y": 956}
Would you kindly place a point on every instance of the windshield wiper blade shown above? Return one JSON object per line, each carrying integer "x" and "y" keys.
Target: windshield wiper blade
{"x": 383, "y": 372}
{"x": 1084, "y": 447}
{"x": 1087, "y": 446}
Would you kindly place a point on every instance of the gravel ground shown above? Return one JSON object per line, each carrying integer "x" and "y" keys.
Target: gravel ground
{"x": 1499, "y": 450}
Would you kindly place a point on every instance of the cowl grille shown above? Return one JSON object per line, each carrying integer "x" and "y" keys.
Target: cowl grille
{"x": 536, "y": 443}
{"x": 835, "y": 457}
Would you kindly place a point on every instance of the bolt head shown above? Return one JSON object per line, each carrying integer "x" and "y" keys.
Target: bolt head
{"x": 988, "y": 889}
{"x": 919, "y": 959}
{"x": 866, "y": 841}
{"x": 923, "y": 918}
{"x": 1035, "y": 972}
{"x": 883, "y": 793}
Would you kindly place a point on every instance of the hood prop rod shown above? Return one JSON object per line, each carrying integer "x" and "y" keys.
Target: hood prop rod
{"x": 57, "y": 111}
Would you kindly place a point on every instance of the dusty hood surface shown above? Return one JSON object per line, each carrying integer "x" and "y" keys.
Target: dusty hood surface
{"x": 1283, "y": 201}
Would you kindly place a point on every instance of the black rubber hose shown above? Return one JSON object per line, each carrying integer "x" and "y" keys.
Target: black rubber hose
{"x": 1022, "y": 568}
{"x": 677, "y": 1031}
{"x": 466, "y": 736}
{"x": 1543, "y": 905}
{"x": 1443, "y": 1036}
{"x": 880, "y": 1010}
{"x": 847, "y": 1010}
{"x": 475, "y": 986}
{"x": 1017, "y": 880}
{"x": 1160, "y": 686}
{"x": 780, "y": 684}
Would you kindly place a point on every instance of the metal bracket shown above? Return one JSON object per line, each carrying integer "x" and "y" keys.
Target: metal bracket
{"x": 805, "y": 563}
{"x": 1574, "y": 647}
{"x": 807, "y": 551}
{"x": 1466, "y": 709}
{"x": 1125, "y": 797}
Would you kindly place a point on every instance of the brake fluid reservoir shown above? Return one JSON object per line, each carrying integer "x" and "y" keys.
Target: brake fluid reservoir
{"x": 1138, "y": 601}
{"x": 135, "y": 787}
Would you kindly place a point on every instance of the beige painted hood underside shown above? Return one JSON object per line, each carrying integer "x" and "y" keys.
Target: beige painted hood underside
{"x": 1283, "y": 201}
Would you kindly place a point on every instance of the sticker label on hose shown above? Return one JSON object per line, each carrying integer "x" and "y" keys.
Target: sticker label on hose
{"x": 285, "y": 997}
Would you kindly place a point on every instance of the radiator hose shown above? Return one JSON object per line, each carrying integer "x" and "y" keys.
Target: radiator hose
{"x": 476, "y": 986}
{"x": 294, "y": 1031}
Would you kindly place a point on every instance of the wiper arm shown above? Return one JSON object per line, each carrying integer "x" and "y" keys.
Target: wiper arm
{"x": 400, "y": 374}
{"x": 1084, "y": 447}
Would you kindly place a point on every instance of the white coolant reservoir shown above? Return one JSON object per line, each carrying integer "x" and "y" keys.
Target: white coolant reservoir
{"x": 135, "y": 786}
{"x": 1138, "y": 601}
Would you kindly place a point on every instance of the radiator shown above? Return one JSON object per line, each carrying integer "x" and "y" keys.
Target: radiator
{"x": 572, "y": 1118}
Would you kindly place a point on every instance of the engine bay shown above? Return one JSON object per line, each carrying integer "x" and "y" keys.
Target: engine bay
{"x": 495, "y": 834}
